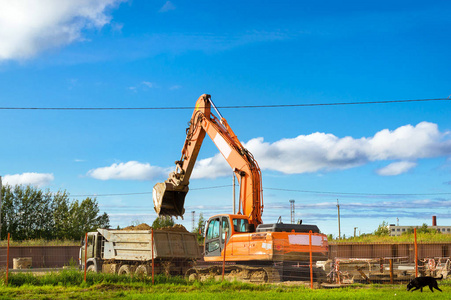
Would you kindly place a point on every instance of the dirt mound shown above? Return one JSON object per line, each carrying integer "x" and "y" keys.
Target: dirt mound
{"x": 144, "y": 226}
{"x": 176, "y": 227}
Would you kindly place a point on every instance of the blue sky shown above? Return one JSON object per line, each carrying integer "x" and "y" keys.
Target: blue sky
{"x": 382, "y": 161}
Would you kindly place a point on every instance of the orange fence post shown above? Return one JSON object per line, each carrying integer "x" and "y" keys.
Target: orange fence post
{"x": 416, "y": 252}
{"x": 86, "y": 251}
{"x": 311, "y": 263}
{"x": 7, "y": 261}
{"x": 223, "y": 259}
{"x": 391, "y": 270}
{"x": 153, "y": 264}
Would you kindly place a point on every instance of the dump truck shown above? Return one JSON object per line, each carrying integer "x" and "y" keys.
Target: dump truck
{"x": 253, "y": 251}
{"x": 131, "y": 251}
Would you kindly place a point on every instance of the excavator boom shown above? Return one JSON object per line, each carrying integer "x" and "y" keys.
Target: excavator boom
{"x": 169, "y": 196}
{"x": 239, "y": 238}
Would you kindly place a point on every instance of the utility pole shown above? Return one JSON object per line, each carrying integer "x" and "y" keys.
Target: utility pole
{"x": 355, "y": 228}
{"x": 339, "y": 229}
{"x": 1, "y": 204}
{"x": 292, "y": 210}
{"x": 192, "y": 215}
{"x": 234, "y": 200}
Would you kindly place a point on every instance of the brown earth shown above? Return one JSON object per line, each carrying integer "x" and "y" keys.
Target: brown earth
{"x": 144, "y": 226}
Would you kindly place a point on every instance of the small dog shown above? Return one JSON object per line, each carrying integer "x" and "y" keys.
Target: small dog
{"x": 420, "y": 282}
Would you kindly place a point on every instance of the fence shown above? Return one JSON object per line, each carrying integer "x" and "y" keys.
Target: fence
{"x": 387, "y": 262}
{"x": 344, "y": 262}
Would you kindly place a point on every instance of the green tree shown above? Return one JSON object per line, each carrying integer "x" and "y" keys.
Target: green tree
{"x": 199, "y": 230}
{"x": 163, "y": 221}
{"x": 29, "y": 213}
{"x": 423, "y": 229}
{"x": 84, "y": 217}
{"x": 60, "y": 208}
{"x": 26, "y": 212}
{"x": 382, "y": 229}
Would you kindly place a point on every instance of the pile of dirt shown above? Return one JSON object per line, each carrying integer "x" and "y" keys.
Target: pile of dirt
{"x": 144, "y": 226}
{"x": 176, "y": 227}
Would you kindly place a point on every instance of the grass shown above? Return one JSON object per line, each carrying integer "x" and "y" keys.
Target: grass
{"x": 404, "y": 238}
{"x": 39, "y": 242}
{"x": 69, "y": 284}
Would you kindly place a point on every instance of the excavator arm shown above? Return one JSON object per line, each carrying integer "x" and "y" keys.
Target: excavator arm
{"x": 169, "y": 196}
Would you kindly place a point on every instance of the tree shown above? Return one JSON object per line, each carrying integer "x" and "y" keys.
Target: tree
{"x": 26, "y": 213}
{"x": 163, "y": 221}
{"x": 382, "y": 229}
{"x": 83, "y": 217}
{"x": 60, "y": 207}
{"x": 29, "y": 213}
{"x": 199, "y": 230}
{"x": 423, "y": 229}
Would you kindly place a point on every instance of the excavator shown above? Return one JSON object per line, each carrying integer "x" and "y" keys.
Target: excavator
{"x": 254, "y": 251}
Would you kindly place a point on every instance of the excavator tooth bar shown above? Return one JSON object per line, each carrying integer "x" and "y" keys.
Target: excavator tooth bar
{"x": 168, "y": 201}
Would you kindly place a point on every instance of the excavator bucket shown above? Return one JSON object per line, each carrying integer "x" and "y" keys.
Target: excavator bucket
{"x": 168, "y": 201}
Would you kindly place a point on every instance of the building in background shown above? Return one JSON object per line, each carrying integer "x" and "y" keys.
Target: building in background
{"x": 396, "y": 230}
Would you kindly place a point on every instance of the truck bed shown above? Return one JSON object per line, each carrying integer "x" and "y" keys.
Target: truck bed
{"x": 136, "y": 245}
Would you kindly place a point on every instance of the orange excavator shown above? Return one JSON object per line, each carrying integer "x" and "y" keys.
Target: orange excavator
{"x": 253, "y": 251}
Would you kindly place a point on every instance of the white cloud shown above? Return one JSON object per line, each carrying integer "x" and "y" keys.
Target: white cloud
{"x": 147, "y": 84}
{"x": 396, "y": 168}
{"x": 131, "y": 170}
{"x": 321, "y": 151}
{"x": 167, "y": 7}
{"x": 29, "y": 26}
{"x": 35, "y": 179}
{"x": 211, "y": 167}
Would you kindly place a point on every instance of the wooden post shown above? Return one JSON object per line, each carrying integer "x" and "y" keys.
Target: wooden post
{"x": 153, "y": 262}
{"x": 391, "y": 270}
{"x": 339, "y": 228}
{"x": 86, "y": 251}
{"x": 7, "y": 262}
{"x": 1, "y": 207}
{"x": 311, "y": 261}
{"x": 416, "y": 252}
{"x": 223, "y": 259}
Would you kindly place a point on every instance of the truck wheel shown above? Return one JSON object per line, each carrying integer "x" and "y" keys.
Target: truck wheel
{"x": 91, "y": 268}
{"x": 124, "y": 270}
{"x": 141, "y": 271}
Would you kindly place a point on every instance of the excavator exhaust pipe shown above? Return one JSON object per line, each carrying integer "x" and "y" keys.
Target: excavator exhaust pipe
{"x": 168, "y": 201}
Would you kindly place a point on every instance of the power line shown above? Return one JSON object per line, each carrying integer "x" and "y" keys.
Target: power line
{"x": 146, "y": 193}
{"x": 230, "y": 106}
{"x": 275, "y": 189}
{"x": 358, "y": 194}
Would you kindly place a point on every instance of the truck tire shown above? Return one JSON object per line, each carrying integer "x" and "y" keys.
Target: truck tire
{"x": 124, "y": 270}
{"x": 141, "y": 271}
{"x": 91, "y": 268}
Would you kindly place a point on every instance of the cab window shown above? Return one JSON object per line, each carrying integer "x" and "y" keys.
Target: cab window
{"x": 239, "y": 225}
{"x": 213, "y": 229}
{"x": 225, "y": 229}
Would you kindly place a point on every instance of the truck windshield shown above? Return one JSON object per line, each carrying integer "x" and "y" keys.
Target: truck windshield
{"x": 239, "y": 225}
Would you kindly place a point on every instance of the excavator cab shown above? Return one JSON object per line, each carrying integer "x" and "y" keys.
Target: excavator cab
{"x": 169, "y": 200}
